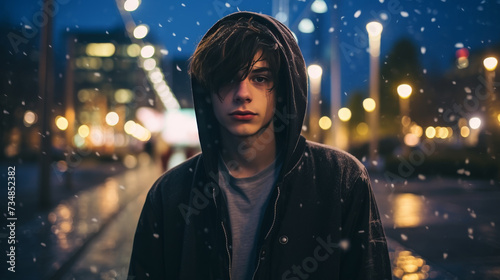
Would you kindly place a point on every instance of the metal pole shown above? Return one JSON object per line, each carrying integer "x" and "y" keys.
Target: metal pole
{"x": 335, "y": 89}
{"x": 46, "y": 91}
{"x": 373, "y": 117}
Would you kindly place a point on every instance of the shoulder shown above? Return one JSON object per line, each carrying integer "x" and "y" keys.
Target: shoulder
{"x": 333, "y": 158}
{"x": 176, "y": 181}
{"x": 329, "y": 153}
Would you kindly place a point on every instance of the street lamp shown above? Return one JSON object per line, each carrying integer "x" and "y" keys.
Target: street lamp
{"x": 315, "y": 72}
{"x": 490, "y": 64}
{"x": 131, "y": 5}
{"x": 319, "y": 7}
{"x": 141, "y": 31}
{"x": 374, "y": 33}
{"x": 306, "y": 26}
{"x": 404, "y": 92}
{"x": 369, "y": 104}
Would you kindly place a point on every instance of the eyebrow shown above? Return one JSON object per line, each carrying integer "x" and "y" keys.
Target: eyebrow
{"x": 260, "y": 70}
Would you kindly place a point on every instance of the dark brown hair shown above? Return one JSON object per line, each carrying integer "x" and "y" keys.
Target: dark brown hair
{"x": 229, "y": 51}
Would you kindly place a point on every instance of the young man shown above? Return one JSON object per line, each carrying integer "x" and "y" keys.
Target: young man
{"x": 259, "y": 202}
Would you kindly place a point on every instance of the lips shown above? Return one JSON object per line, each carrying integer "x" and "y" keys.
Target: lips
{"x": 242, "y": 115}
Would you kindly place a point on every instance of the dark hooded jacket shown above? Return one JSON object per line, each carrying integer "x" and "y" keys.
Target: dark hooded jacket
{"x": 321, "y": 221}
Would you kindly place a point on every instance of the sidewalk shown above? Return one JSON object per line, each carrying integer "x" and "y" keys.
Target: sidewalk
{"x": 49, "y": 244}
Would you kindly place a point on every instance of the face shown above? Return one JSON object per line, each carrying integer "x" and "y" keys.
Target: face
{"x": 246, "y": 108}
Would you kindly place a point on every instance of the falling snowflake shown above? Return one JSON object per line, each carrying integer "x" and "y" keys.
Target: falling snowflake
{"x": 404, "y": 237}
{"x": 445, "y": 256}
{"x": 423, "y": 50}
{"x": 404, "y": 14}
{"x": 156, "y": 235}
{"x": 357, "y": 14}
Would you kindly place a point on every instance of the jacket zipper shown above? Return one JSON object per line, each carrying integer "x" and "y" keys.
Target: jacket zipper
{"x": 270, "y": 229}
{"x": 225, "y": 235}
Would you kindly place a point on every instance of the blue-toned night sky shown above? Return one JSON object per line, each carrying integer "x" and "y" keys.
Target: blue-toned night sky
{"x": 438, "y": 28}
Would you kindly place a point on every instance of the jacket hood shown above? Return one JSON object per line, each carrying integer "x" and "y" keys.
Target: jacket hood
{"x": 289, "y": 113}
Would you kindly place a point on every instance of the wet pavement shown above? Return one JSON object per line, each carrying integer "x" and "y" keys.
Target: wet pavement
{"x": 49, "y": 245}
{"x": 450, "y": 222}
{"x": 437, "y": 228}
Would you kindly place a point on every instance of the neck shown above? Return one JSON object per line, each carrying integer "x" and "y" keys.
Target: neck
{"x": 246, "y": 156}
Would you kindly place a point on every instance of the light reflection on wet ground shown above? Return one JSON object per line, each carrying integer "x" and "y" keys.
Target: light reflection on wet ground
{"x": 449, "y": 223}
{"x": 50, "y": 241}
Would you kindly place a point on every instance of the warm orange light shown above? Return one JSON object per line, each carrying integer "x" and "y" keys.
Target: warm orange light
{"x": 369, "y": 104}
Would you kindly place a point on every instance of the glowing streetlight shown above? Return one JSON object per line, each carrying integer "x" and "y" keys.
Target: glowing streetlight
{"x": 325, "y": 123}
{"x": 131, "y": 5}
{"x": 430, "y": 132}
{"x": 345, "y": 114}
{"x": 112, "y": 118}
{"x": 490, "y": 63}
{"x": 141, "y": 31}
{"x": 306, "y": 26}
{"x": 369, "y": 104}
{"x": 149, "y": 64}
{"x": 84, "y": 131}
{"x": 315, "y": 72}
{"x": 29, "y": 118}
{"x": 147, "y": 51}
{"x": 404, "y": 91}
{"x": 475, "y": 123}
{"x": 61, "y": 123}
{"x": 374, "y": 30}
{"x": 319, "y": 7}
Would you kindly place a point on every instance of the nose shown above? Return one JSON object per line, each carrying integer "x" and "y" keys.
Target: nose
{"x": 242, "y": 93}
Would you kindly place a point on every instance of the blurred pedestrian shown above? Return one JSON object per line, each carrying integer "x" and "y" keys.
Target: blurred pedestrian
{"x": 259, "y": 202}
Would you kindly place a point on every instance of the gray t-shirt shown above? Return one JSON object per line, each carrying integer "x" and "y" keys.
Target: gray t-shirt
{"x": 247, "y": 199}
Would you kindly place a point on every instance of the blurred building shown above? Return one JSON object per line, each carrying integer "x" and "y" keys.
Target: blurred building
{"x": 106, "y": 86}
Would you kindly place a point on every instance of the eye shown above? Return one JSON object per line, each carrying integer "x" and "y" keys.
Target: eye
{"x": 261, "y": 79}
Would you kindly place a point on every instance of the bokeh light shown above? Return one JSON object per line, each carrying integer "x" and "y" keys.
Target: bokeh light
{"x": 344, "y": 114}
{"x": 29, "y": 118}
{"x": 112, "y": 118}
{"x": 325, "y": 123}
{"x": 61, "y": 123}
{"x": 314, "y": 71}
{"x": 147, "y": 51}
{"x": 490, "y": 63}
{"x": 319, "y": 7}
{"x": 131, "y": 5}
{"x": 133, "y": 50}
{"x": 306, "y": 26}
{"x": 464, "y": 131}
{"x": 430, "y": 132}
{"x": 362, "y": 129}
{"x": 141, "y": 31}
{"x": 84, "y": 131}
{"x": 369, "y": 104}
{"x": 475, "y": 123}
{"x": 404, "y": 91}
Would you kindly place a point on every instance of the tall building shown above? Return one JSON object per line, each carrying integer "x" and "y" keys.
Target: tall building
{"x": 107, "y": 82}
